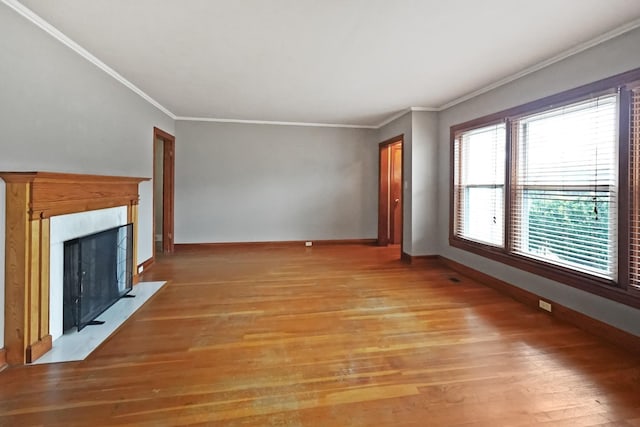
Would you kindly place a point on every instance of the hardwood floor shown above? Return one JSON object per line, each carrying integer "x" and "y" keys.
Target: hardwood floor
{"x": 329, "y": 336}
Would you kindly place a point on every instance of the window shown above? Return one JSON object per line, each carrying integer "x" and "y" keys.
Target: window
{"x": 479, "y": 184}
{"x": 634, "y": 226}
{"x": 553, "y": 187}
{"x": 565, "y": 186}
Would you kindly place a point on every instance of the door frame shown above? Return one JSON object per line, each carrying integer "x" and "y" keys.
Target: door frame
{"x": 168, "y": 190}
{"x": 384, "y": 169}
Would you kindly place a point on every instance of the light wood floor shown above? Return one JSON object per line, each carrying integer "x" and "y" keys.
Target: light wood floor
{"x": 329, "y": 336}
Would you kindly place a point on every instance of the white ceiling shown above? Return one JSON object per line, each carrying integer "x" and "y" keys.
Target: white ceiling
{"x": 325, "y": 61}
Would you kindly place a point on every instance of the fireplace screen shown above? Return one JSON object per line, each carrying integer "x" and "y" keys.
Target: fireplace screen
{"x": 98, "y": 270}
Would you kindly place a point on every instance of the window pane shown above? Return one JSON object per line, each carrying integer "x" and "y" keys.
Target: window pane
{"x": 564, "y": 228}
{"x": 479, "y": 184}
{"x": 566, "y": 186}
{"x": 485, "y": 223}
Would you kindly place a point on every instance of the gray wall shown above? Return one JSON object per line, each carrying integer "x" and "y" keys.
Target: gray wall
{"x": 246, "y": 182}
{"x": 402, "y": 126}
{"x": 60, "y": 113}
{"x": 424, "y": 175}
{"x": 612, "y": 57}
{"x": 420, "y": 155}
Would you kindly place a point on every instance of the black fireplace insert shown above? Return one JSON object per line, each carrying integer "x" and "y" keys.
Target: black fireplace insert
{"x": 98, "y": 271}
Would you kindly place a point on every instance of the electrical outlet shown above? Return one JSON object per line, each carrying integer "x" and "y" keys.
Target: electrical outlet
{"x": 544, "y": 305}
{"x": 140, "y": 269}
{"x": 308, "y": 244}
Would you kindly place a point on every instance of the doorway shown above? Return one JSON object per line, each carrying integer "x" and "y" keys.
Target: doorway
{"x": 163, "y": 191}
{"x": 390, "y": 197}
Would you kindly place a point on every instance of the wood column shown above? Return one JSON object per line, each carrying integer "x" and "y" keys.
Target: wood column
{"x": 132, "y": 217}
{"x": 31, "y": 199}
{"x": 26, "y": 278}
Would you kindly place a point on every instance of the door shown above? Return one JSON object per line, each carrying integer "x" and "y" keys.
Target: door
{"x": 395, "y": 197}
{"x": 163, "y": 189}
{"x": 390, "y": 206}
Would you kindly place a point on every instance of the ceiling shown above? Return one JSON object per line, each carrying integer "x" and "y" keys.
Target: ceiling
{"x": 352, "y": 62}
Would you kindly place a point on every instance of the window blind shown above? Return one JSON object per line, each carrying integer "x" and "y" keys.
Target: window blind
{"x": 564, "y": 187}
{"x": 634, "y": 184}
{"x": 479, "y": 162}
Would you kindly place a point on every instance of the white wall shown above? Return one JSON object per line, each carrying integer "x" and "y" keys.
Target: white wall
{"x": 60, "y": 113}
{"x": 245, "y": 182}
{"x": 612, "y": 57}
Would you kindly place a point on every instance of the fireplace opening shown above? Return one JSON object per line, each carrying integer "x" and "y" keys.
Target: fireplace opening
{"x": 98, "y": 271}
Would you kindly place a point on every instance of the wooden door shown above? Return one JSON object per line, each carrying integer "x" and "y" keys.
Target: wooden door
{"x": 167, "y": 196}
{"x": 390, "y": 192}
{"x": 168, "y": 186}
{"x": 395, "y": 195}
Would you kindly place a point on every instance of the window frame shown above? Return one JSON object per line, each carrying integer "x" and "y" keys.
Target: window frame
{"x": 503, "y": 186}
{"x": 615, "y": 290}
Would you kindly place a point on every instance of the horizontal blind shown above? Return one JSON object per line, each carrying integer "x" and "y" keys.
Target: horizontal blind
{"x": 634, "y": 184}
{"x": 564, "y": 186}
{"x": 479, "y": 165}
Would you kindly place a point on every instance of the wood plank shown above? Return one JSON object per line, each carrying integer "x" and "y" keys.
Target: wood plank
{"x": 45, "y": 249}
{"x": 32, "y": 329}
{"x": 16, "y": 271}
{"x": 39, "y": 348}
{"x": 63, "y": 193}
{"x": 584, "y": 322}
{"x": 334, "y": 336}
{"x": 3, "y": 359}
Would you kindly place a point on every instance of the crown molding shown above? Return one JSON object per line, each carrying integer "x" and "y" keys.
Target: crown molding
{"x": 276, "y": 123}
{"x": 61, "y": 37}
{"x": 402, "y": 113}
{"x": 540, "y": 65}
{"x": 433, "y": 109}
{"x": 393, "y": 117}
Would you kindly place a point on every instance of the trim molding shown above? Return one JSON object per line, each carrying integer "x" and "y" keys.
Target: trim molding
{"x": 588, "y": 324}
{"x": 3, "y": 359}
{"x": 410, "y": 259}
{"x": 62, "y": 38}
{"x": 393, "y": 117}
{"x": 540, "y": 65}
{"x": 275, "y": 123}
{"x": 181, "y": 247}
{"x": 146, "y": 264}
{"x": 37, "y": 349}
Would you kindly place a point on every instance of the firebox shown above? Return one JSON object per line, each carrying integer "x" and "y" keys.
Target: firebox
{"x": 98, "y": 271}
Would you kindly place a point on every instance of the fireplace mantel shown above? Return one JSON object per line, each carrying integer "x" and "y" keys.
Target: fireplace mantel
{"x": 31, "y": 199}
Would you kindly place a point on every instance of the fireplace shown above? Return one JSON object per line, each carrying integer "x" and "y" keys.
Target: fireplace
{"x": 97, "y": 273}
{"x": 34, "y": 200}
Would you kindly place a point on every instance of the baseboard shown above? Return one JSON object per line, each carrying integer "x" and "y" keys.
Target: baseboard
{"x": 180, "y": 247}
{"x": 582, "y": 321}
{"x": 146, "y": 265}
{"x": 413, "y": 258}
{"x": 37, "y": 349}
{"x": 3, "y": 359}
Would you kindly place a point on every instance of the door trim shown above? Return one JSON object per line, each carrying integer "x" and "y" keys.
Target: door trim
{"x": 383, "y": 190}
{"x": 168, "y": 190}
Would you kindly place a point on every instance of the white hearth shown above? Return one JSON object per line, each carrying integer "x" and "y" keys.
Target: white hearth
{"x": 67, "y": 227}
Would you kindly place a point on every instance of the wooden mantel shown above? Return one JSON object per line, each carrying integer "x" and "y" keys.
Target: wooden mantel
{"x": 32, "y": 198}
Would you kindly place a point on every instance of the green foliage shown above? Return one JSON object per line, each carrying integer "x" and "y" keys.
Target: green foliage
{"x": 572, "y": 229}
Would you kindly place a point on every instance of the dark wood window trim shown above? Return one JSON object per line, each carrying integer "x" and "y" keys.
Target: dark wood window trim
{"x": 617, "y": 291}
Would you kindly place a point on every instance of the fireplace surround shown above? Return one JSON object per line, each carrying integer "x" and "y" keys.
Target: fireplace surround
{"x": 32, "y": 198}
